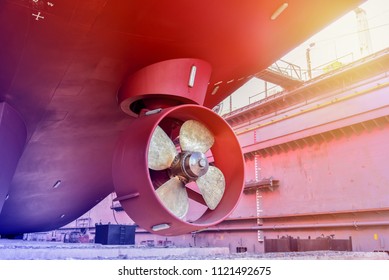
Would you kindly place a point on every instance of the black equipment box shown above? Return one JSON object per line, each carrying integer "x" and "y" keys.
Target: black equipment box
{"x": 115, "y": 234}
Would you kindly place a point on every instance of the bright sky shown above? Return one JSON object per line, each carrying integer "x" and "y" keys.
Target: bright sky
{"x": 339, "y": 41}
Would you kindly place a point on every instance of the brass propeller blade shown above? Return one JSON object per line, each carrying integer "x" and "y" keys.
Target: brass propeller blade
{"x": 161, "y": 150}
{"x": 195, "y": 137}
{"x": 174, "y": 196}
{"x": 212, "y": 186}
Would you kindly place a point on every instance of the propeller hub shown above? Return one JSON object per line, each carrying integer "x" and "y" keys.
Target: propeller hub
{"x": 196, "y": 164}
{"x": 189, "y": 166}
{"x": 203, "y": 163}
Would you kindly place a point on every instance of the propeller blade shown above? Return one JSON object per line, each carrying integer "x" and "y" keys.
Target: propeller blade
{"x": 212, "y": 186}
{"x": 174, "y": 196}
{"x": 161, "y": 150}
{"x": 195, "y": 137}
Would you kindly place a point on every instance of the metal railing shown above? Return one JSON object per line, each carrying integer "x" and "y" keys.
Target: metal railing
{"x": 287, "y": 69}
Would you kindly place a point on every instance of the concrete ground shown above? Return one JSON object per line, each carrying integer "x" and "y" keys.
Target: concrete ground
{"x": 33, "y": 250}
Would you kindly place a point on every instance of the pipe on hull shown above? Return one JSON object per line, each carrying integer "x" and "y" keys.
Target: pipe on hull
{"x": 302, "y": 226}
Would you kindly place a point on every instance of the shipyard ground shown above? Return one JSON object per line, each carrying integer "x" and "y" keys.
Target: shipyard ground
{"x": 32, "y": 250}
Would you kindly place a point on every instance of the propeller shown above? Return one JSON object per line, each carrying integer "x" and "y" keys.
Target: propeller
{"x": 189, "y": 165}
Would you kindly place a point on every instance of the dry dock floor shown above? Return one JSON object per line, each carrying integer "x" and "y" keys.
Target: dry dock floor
{"x": 33, "y": 250}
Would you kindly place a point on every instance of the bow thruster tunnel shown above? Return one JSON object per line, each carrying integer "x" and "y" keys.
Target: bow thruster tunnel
{"x": 178, "y": 169}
